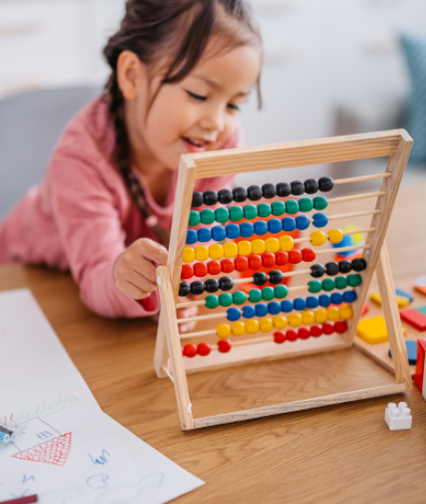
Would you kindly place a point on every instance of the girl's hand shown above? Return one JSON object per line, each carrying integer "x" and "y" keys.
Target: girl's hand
{"x": 134, "y": 270}
{"x": 191, "y": 311}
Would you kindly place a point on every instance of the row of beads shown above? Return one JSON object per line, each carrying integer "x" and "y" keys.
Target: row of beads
{"x": 268, "y": 191}
{"x": 236, "y": 213}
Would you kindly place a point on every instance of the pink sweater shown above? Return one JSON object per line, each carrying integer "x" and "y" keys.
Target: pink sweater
{"x": 82, "y": 217}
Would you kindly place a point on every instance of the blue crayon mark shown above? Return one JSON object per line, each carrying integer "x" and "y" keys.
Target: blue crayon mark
{"x": 25, "y": 479}
{"x": 101, "y": 460}
{"x": 97, "y": 481}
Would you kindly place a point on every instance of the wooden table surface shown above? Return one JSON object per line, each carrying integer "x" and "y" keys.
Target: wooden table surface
{"x": 337, "y": 454}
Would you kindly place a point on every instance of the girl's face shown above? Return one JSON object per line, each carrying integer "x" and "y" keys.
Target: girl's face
{"x": 196, "y": 114}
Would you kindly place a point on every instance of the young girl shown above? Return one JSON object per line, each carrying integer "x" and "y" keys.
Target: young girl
{"x": 180, "y": 69}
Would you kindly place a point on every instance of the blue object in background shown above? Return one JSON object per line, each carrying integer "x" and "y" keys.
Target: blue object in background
{"x": 411, "y": 346}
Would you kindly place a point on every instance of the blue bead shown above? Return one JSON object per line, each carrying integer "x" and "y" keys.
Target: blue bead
{"x": 249, "y": 311}
{"x": 289, "y": 223}
{"x": 320, "y": 220}
{"x": 300, "y": 304}
{"x": 232, "y": 231}
{"x": 349, "y": 296}
{"x": 246, "y": 229}
{"x": 218, "y": 233}
{"x": 337, "y": 298}
{"x": 260, "y": 227}
{"x": 287, "y": 305}
{"x": 274, "y": 307}
{"x": 324, "y": 300}
{"x": 204, "y": 234}
{"x": 191, "y": 236}
{"x": 274, "y": 225}
{"x": 302, "y": 222}
{"x": 261, "y": 310}
{"x": 233, "y": 314}
{"x": 312, "y": 302}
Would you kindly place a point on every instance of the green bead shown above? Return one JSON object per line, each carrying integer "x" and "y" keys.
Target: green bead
{"x": 341, "y": 282}
{"x": 278, "y": 208}
{"x": 255, "y": 295}
{"x": 225, "y": 299}
{"x": 306, "y": 204}
{"x": 267, "y": 293}
{"x": 320, "y": 203}
{"x": 212, "y": 301}
{"x": 222, "y": 214}
{"x": 354, "y": 279}
{"x": 239, "y": 297}
{"x": 194, "y": 218}
{"x": 291, "y": 207}
{"x": 314, "y": 286}
{"x": 250, "y": 212}
{"x": 328, "y": 284}
{"x": 207, "y": 216}
{"x": 281, "y": 291}
{"x": 235, "y": 213}
{"x": 264, "y": 209}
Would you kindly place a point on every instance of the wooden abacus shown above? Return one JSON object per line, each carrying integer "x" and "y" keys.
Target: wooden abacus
{"x": 334, "y": 315}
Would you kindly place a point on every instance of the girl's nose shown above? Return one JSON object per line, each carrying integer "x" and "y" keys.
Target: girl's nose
{"x": 214, "y": 120}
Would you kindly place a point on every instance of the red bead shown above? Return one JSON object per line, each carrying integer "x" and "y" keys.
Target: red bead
{"x": 241, "y": 263}
{"x": 204, "y": 349}
{"x": 224, "y": 345}
{"x": 295, "y": 256}
{"x": 291, "y": 335}
{"x": 304, "y": 333}
{"x": 190, "y": 350}
{"x": 308, "y": 254}
{"x": 340, "y": 326}
{"x": 200, "y": 269}
{"x": 183, "y": 351}
{"x": 214, "y": 267}
{"x": 187, "y": 271}
{"x": 255, "y": 261}
{"x": 281, "y": 258}
{"x": 328, "y": 328}
{"x": 279, "y": 337}
{"x": 227, "y": 265}
{"x": 268, "y": 259}
{"x": 316, "y": 330}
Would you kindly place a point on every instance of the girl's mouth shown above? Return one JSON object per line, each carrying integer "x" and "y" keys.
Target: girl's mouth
{"x": 195, "y": 144}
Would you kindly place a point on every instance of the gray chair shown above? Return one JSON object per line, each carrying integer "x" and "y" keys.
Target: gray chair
{"x": 30, "y": 125}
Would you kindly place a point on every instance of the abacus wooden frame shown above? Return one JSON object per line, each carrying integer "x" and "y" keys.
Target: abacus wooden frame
{"x": 395, "y": 145}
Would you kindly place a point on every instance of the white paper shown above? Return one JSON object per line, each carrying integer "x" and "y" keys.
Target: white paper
{"x": 70, "y": 452}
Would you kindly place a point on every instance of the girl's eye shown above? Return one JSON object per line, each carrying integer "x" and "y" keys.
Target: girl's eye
{"x": 196, "y": 96}
{"x": 233, "y": 107}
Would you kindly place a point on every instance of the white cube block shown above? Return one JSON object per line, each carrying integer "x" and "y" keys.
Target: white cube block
{"x": 398, "y": 417}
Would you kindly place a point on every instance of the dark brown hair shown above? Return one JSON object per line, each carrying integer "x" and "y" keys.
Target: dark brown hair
{"x": 181, "y": 29}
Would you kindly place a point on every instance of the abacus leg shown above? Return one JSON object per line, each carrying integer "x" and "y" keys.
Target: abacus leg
{"x": 161, "y": 356}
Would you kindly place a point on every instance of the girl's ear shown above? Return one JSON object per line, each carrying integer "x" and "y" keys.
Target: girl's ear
{"x": 131, "y": 75}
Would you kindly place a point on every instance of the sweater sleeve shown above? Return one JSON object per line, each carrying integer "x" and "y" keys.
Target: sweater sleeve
{"x": 92, "y": 236}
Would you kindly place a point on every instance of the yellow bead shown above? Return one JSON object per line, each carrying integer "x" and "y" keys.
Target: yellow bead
{"x": 223, "y": 331}
{"x": 317, "y": 238}
{"x": 295, "y": 320}
{"x": 279, "y": 322}
{"x": 286, "y": 243}
{"x": 308, "y": 317}
{"x": 201, "y": 253}
{"x": 272, "y": 245}
{"x": 335, "y": 236}
{"x": 320, "y": 316}
{"x": 188, "y": 255}
{"x": 244, "y": 248}
{"x": 333, "y": 313}
{"x": 252, "y": 326}
{"x": 258, "y": 246}
{"x": 266, "y": 324}
{"x": 230, "y": 249}
{"x": 216, "y": 251}
{"x": 346, "y": 312}
{"x": 238, "y": 328}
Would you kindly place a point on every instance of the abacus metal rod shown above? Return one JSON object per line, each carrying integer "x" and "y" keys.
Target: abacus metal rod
{"x": 356, "y": 196}
{"x": 361, "y": 178}
{"x": 353, "y": 214}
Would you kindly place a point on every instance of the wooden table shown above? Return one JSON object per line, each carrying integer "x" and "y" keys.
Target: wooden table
{"x": 343, "y": 453}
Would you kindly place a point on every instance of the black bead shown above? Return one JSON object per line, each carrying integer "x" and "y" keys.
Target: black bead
{"x": 240, "y": 194}
{"x": 260, "y": 278}
{"x": 311, "y": 186}
{"x": 212, "y": 285}
{"x": 359, "y": 264}
{"x": 275, "y": 277}
{"x": 269, "y": 191}
{"x": 345, "y": 266}
{"x": 210, "y": 198}
{"x": 332, "y": 268}
{"x": 283, "y": 189}
{"x": 197, "y": 199}
{"x": 226, "y": 283}
{"x": 225, "y": 196}
{"x": 254, "y": 193}
{"x": 184, "y": 289}
{"x": 325, "y": 184}
{"x": 197, "y": 287}
{"x": 317, "y": 270}
{"x": 297, "y": 187}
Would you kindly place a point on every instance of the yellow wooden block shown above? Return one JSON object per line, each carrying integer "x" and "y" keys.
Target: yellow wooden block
{"x": 402, "y": 302}
{"x": 373, "y": 330}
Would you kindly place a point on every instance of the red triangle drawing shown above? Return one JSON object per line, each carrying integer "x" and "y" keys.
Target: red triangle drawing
{"x": 54, "y": 451}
